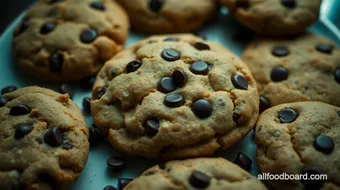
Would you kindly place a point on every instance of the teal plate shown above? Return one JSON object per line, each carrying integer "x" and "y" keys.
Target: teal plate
{"x": 225, "y": 31}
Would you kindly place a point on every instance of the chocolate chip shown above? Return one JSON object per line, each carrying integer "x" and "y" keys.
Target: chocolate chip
{"x": 66, "y": 89}
{"x": 311, "y": 184}
{"x": 202, "y": 108}
{"x": 287, "y": 115}
{"x": 166, "y": 85}
{"x": 3, "y": 101}
{"x": 156, "y": 5}
{"x": 23, "y": 26}
{"x": 116, "y": 163}
{"x": 19, "y": 110}
{"x": 239, "y": 82}
{"x": 8, "y": 89}
{"x": 67, "y": 146}
{"x": 338, "y": 113}
{"x": 133, "y": 66}
{"x": 179, "y": 77}
{"x": 243, "y": 161}
{"x": 109, "y": 187}
{"x": 161, "y": 164}
{"x": 87, "y": 105}
{"x": 325, "y": 48}
{"x": 174, "y": 100}
{"x": 170, "y": 55}
{"x": 280, "y": 51}
{"x": 170, "y": 39}
{"x": 279, "y": 74}
{"x": 56, "y": 62}
{"x": 88, "y": 36}
{"x": 98, "y": 5}
{"x": 200, "y": 68}
{"x": 101, "y": 92}
{"x": 199, "y": 180}
{"x": 264, "y": 104}
{"x": 47, "y": 28}
{"x": 151, "y": 127}
{"x": 56, "y": 1}
{"x": 337, "y": 75}
{"x": 288, "y": 3}
{"x": 122, "y": 182}
{"x": 324, "y": 144}
{"x": 236, "y": 117}
{"x": 87, "y": 83}
{"x": 95, "y": 136}
{"x": 22, "y": 130}
{"x": 53, "y": 137}
{"x": 201, "y": 46}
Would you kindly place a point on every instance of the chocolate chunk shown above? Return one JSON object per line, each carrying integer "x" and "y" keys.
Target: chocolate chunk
{"x": 88, "y": 36}
{"x": 236, "y": 117}
{"x": 337, "y": 75}
{"x": 8, "y": 89}
{"x": 174, "y": 100}
{"x": 288, "y": 3}
{"x": 264, "y": 104}
{"x": 116, "y": 163}
{"x": 101, "y": 92}
{"x": 280, "y": 51}
{"x": 243, "y": 161}
{"x": 311, "y": 184}
{"x": 324, "y": 144}
{"x": 170, "y": 55}
{"x": 239, "y": 82}
{"x": 98, "y": 5}
{"x": 287, "y": 115}
{"x": 170, "y": 39}
{"x": 87, "y": 105}
{"x": 201, "y": 46}
{"x": 47, "y": 28}
{"x": 279, "y": 74}
{"x": 151, "y": 127}
{"x": 325, "y": 48}
{"x": 53, "y": 137}
{"x": 95, "y": 136}
{"x": 122, "y": 182}
{"x": 200, "y": 68}
{"x": 22, "y": 130}
{"x": 202, "y": 108}
{"x": 166, "y": 85}
{"x": 19, "y": 110}
{"x": 179, "y": 77}
{"x": 199, "y": 180}
{"x": 67, "y": 146}
{"x": 56, "y": 62}
{"x": 109, "y": 187}
{"x": 3, "y": 101}
{"x": 133, "y": 66}
{"x": 156, "y": 5}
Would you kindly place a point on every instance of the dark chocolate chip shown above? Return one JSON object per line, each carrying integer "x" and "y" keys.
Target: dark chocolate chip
{"x": 156, "y": 5}
{"x": 236, "y": 117}
{"x": 8, "y": 89}
{"x": 53, "y": 137}
{"x": 280, "y": 51}
{"x": 22, "y": 130}
{"x": 311, "y": 184}
{"x": 161, "y": 165}
{"x": 133, "y": 66}
{"x": 67, "y": 146}
{"x": 324, "y": 144}
{"x": 179, "y": 77}
{"x": 243, "y": 161}
{"x": 56, "y": 1}
{"x": 264, "y": 104}
{"x": 116, "y": 163}
{"x": 56, "y": 62}
{"x": 109, "y": 187}
{"x": 279, "y": 74}
{"x": 66, "y": 89}
{"x": 239, "y": 82}
{"x": 288, "y": 3}
{"x": 202, "y": 108}
{"x": 3, "y": 101}
{"x": 170, "y": 39}
{"x": 122, "y": 182}
{"x": 174, "y": 100}
{"x": 101, "y": 92}
{"x": 98, "y": 5}
{"x": 287, "y": 115}
{"x": 325, "y": 48}
{"x": 47, "y": 28}
{"x": 87, "y": 83}
{"x": 201, "y": 46}
{"x": 337, "y": 75}
{"x": 95, "y": 136}
{"x": 19, "y": 110}
{"x": 338, "y": 113}
{"x": 199, "y": 180}
{"x": 88, "y": 36}
{"x": 23, "y": 26}
{"x": 151, "y": 127}
{"x": 170, "y": 55}
{"x": 87, "y": 105}
{"x": 199, "y": 68}
{"x": 166, "y": 85}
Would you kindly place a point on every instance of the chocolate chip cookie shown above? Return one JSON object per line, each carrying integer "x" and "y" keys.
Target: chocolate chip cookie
{"x": 174, "y": 96}
{"x": 275, "y": 17}
{"x": 43, "y": 140}
{"x": 199, "y": 173}
{"x": 61, "y": 40}
{"x": 169, "y": 16}
{"x": 300, "y": 138}
{"x": 295, "y": 69}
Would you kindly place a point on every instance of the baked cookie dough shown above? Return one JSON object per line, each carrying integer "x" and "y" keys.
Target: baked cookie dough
{"x": 62, "y": 40}
{"x": 43, "y": 140}
{"x": 275, "y": 17}
{"x": 169, "y": 16}
{"x": 174, "y": 96}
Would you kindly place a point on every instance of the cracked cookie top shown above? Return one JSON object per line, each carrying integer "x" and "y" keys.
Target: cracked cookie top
{"x": 306, "y": 68}
{"x": 169, "y": 16}
{"x": 43, "y": 140}
{"x": 300, "y": 138}
{"x": 174, "y": 96}
{"x": 62, "y": 40}
{"x": 275, "y": 17}
{"x": 200, "y": 173}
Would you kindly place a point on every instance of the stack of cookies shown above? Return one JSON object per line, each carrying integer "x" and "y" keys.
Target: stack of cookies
{"x": 173, "y": 97}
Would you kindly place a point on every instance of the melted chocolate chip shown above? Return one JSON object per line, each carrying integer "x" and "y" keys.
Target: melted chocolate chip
{"x": 324, "y": 144}
{"x": 239, "y": 82}
{"x": 116, "y": 163}
{"x": 167, "y": 85}
{"x": 95, "y": 136}
{"x": 170, "y": 55}
{"x": 88, "y": 36}
{"x": 170, "y": 39}
{"x": 202, "y": 108}
{"x": 337, "y": 75}
{"x": 87, "y": 83}
{"x": 122, "y": 182}
{"x": 264, "y": 104}
{"x": 311, "y": 184}
{"x": 101, "y": 92}
{"x": 19, "y": 110}
{"x": 236, "y": 117}
{"x": 53, "y": 137}
{"x": 22, "y": 130}
{"x": 200, "y": 68}
{"x": 56, "y": 62}
{"x": 201, "y": 46}
{"x": 287, "y": 115}
{"x": 174, "y": 100}
{"x": 243, "y": 161}
{"x": 109, "y": 187}
{"x": 98, "y": 5}
{"x": 66, "y": 89}
{"x": 325, "y": 48}
{"x": 179, "y": 77}
{"x": 151, "y": 127}
{"x": 288, "y": 3}
{"x": 133, "y": 66}
{"x": 87, "y": 105}
{"x": 47, "y": 28}
{"x": 3, "y": 101}
{"x": 67, "y": 146}
{"x": 280, "y": 51}
{"x": 156, "y": 5}
{"x": 279, "y": 74}
{"x": 199, "y": 180}
{"x": 8, "y": 89}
